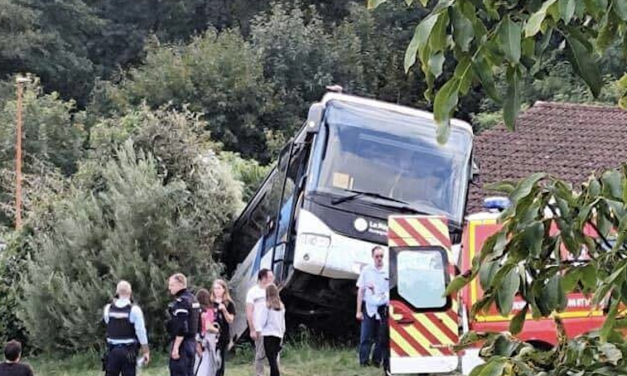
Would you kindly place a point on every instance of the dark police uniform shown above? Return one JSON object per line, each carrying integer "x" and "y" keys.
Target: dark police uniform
{"x": 184, "y": 322}
{"x": 122, "y": 340}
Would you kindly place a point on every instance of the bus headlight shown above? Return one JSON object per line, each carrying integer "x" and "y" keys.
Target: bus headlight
{"x": 315, "y": 240}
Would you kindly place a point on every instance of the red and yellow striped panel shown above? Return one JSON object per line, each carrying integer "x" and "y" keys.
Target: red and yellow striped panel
{"x": 412, "y": 231}
{"x": 422, "y": 334}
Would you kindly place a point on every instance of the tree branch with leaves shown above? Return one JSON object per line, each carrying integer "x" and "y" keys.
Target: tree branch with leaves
{"x": 483, "y": 36}
{"x": 556, "y": 240}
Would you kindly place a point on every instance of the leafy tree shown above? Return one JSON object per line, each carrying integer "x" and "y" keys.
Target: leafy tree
{"x": 52, "y": 130}
{"x": 131, "y": 24}
{"x": 40, "y": 187}
{"x": 41, "y": 190}
{"x": 50, "y": 39}
{"x": 181, "y": 147}
{"x": 241, "y": 14}
{"x": 558, "y": 83}
{"x": 183, "y": 156}
{"x": 53, "y": 139}
{"x": 526, "y": 259}
{"x": 11, "y": 264}
{"x": 301, "y": 55}
{"x": 137, "y": 227}
{"x": 261, "y": 93}
{"x": 297, "y": 58}
{"x": 368, "y": 46}
{"x": 52, "y": 145}
{"x": 175, "y": 138}
{"x": 513, "y": 36}
{"x": 70, "y": 43}
{"x": 247, "y": 171}
{"x": 218, "y": 75}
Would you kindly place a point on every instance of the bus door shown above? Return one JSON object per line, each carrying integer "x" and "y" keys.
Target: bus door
{"x": 423, "y": 323}
{"x": 291, "y": 168}
{"x": 275, "y": 224}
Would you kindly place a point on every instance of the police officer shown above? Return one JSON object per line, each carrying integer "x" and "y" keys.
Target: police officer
{"x": 126, "y": 332}
{"x": 183, "y": 326}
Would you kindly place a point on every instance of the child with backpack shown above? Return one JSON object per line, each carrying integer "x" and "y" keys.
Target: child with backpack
{"x": 207, "y": 358}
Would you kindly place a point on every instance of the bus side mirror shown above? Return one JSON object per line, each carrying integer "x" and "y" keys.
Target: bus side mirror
{"x": 314, "y": 117}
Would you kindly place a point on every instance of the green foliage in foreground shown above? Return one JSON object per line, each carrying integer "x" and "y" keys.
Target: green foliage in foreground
{"x": 481, "y": 37}
{"x": 527, "y": 259}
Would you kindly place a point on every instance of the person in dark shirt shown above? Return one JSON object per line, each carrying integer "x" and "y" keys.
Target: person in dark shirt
{"x": 12, "y": 365}
{"x": 183, "y": 326}
{"x": 224, "y": 313}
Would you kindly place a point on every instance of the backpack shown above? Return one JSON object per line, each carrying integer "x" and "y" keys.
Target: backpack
{"x": 206, "y": 320}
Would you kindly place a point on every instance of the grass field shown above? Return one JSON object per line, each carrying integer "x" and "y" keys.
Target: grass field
{"x": 296, "y": 360}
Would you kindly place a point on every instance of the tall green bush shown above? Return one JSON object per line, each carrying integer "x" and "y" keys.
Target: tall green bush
{"x": 11, "y": 264}
{"x": 135, "y": 227}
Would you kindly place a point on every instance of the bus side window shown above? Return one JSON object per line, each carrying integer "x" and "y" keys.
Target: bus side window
{"x": 245, "y": 237}
{"x": 293, "y": 173}
{"x": 264, "y": 212}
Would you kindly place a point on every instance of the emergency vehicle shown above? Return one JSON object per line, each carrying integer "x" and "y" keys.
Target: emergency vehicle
{"x": 424, "y": 325}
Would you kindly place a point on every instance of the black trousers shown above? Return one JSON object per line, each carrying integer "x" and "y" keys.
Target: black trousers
{"x": 184, "y": 365}
{"x": 272, "y": 345}
{"x": 222, "y": 350}
{"x": 121, "y": 360}
{"x": 384, "y": 337}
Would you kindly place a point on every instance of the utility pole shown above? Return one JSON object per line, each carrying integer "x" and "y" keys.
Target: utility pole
{"x": 20, "y": 81}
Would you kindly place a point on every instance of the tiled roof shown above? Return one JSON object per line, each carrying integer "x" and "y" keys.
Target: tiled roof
{"x": 569, "y": 141}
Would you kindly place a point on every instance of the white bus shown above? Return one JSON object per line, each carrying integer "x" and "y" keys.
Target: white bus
{"x": 318, "y": 214}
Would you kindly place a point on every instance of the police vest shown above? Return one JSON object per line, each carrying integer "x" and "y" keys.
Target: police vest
{"x": 119, "y": 326}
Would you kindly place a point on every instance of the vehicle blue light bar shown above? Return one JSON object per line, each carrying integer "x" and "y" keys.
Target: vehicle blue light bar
{"x": 498, "y": 203}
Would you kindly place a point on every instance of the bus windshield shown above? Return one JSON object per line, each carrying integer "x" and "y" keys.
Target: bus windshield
{"x": 394, "y": 155}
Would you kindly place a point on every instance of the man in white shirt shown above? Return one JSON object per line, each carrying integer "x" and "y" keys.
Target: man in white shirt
{"x": 255, "y": 302}
{"x": 372, "y": 293}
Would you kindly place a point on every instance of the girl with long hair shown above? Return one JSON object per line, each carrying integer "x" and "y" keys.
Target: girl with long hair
{"x": 206, "y": 363}
{"x": 273, "y": 330}
{"x": 224, "y": 314}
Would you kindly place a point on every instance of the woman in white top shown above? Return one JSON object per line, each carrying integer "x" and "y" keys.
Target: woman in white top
{"x": 273, "y": 329}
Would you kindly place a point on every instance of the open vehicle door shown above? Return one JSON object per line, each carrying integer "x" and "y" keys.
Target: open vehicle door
{"x": 423, "y": 322}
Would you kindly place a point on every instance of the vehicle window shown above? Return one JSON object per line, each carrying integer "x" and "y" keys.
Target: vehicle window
{"x": 249, "y": 233}
{"x": 291, "y": 181}
{"x": 421, "y": 278}
{"x": 395, "y": 156}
